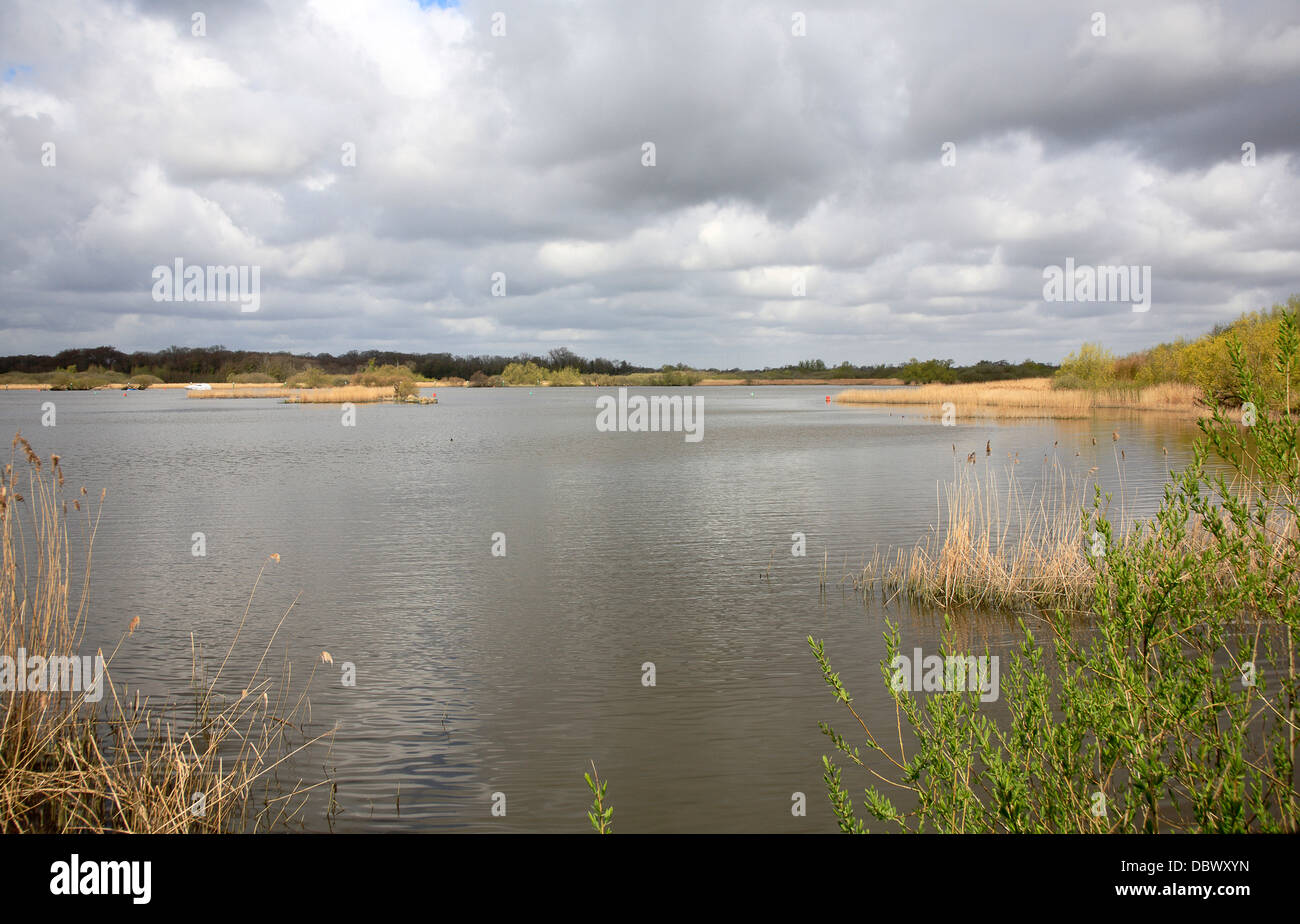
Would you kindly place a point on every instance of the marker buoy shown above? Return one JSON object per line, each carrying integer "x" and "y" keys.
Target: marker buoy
{"x": 828, "y": 399}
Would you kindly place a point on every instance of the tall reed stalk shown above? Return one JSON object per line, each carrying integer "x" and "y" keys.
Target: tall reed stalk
{"x": 107, "y": 760}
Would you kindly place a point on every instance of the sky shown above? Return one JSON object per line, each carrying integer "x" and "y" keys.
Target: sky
{"x": 851, "y": 181}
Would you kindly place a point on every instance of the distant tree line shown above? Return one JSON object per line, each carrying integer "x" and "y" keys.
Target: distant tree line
{"x": 218, "y": 364}
{"x": 913, "y": 371}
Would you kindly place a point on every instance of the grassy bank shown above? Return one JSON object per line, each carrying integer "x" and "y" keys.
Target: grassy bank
{"x": 87, "y": 757}
{"x": 1204, "y": 363}
{"x": 1031, "y": 398}
{"x": 71, "y": 380}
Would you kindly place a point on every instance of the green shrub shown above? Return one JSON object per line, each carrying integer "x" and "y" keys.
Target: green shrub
{"x": 672, "y": 376}
{"x": 1174, "y": 707}
{"x": 313, "y": 377}
{"x": 932, "y": 370}
{"x": 1091, "y": 367}
{"x": 566, "y": 376}
{"x": 387, "y": 376}
{"x": 251, "y": 378}
{"x": 528, "y": 373}
{"x": 71, "y": 380}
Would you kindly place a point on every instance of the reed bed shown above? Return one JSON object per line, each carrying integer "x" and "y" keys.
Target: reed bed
{"x": 996, "y": 544}
{"x": 102, "y": 759}
{"x": 1031, "y": 398}
{"x": 354, "y": 394}
{"x": 244, "y": 391}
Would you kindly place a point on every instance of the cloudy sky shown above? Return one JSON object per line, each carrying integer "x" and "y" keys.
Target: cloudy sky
{"x": 379, "y": 162}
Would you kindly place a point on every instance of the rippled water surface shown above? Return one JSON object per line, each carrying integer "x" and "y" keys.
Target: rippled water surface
{"x": 479, "y": 674}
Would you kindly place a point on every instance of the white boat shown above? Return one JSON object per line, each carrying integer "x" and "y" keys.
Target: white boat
{"x": 201, "y": 386}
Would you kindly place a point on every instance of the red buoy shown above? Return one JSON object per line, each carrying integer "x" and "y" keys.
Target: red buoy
{"x": 828, "y": 399}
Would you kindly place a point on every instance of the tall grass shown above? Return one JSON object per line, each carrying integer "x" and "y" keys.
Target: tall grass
{"x": 1031, "y": 398}
{"x": 355, "y": 394}
{"x": 1001, "y": 544}
{"x": 77, "y": 763}
{"x": 995, "y": 543}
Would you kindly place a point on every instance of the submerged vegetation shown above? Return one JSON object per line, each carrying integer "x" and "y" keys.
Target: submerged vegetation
{"x": 76, "y": 759}
{"x": 1171, "y": 706}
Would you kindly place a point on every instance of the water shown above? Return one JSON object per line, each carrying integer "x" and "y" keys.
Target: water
{"x": 478, "y": 674}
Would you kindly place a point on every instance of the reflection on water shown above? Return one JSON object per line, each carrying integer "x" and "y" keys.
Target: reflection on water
{"x": 479, "y": 674}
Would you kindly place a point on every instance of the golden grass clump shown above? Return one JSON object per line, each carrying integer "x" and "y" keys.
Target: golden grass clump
{"x": 244, "y": 391}
{"x": 996, "y": 545}
{"x": 89, "y": 756}
{"x": 355, "y": 394}
{"x": 1030, "y": 398}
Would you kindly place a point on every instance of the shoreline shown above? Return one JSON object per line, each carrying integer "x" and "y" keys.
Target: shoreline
{"x": 1033, "y": 398}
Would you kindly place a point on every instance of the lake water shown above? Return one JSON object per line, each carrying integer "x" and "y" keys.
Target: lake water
{"x": 478, "y": 674}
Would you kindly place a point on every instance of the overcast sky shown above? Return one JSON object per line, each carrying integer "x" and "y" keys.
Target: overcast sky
{"x": 775, "y": 154}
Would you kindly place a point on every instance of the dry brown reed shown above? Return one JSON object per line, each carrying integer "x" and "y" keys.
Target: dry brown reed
{"x": 75, "y": 762}
{"x": 354, "y": 394}
{"x": 1031, "y": 398}
{"x": 244, "y": 391}
{"x": 996, "y": 544}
